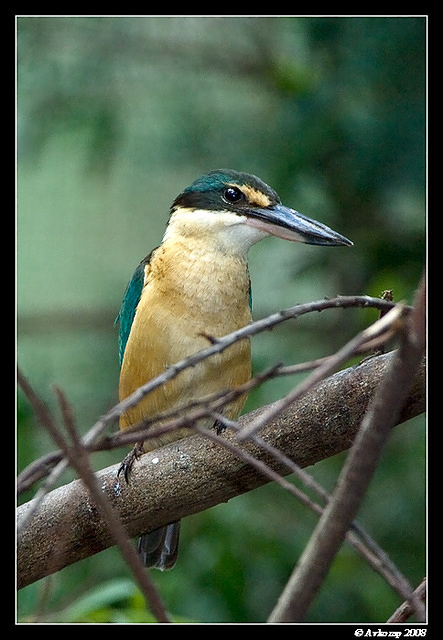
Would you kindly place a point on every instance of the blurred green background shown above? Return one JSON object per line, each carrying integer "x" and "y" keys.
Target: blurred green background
{"x": 115, "y": 117}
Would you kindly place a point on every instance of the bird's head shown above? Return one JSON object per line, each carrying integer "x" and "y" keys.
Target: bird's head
{"x": 240, "y": 209}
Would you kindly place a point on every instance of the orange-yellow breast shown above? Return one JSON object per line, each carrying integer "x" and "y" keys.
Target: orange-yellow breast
{"x": 189, "y": 293}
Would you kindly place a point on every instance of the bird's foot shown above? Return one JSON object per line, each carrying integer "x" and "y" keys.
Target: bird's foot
{"x": 219, "y": 427}
{"x": 129, "y": 460}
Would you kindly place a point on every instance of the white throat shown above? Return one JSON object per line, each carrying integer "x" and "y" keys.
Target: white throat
{"x": 227, "y": 231}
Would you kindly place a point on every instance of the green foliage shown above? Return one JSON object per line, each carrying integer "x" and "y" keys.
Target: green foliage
{"x": 115, "y": 117}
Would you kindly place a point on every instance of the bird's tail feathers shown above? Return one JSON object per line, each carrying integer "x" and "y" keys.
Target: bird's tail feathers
{"x": 159, "y": 548}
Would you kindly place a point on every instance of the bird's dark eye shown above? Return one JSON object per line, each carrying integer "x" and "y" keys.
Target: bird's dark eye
{"x": 232, "y": 195}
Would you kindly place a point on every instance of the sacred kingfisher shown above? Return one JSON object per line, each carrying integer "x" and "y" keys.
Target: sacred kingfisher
{"x": 196, "y": 285}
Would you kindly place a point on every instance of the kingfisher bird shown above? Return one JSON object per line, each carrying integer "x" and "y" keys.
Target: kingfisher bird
{"x": 196, "y": 286}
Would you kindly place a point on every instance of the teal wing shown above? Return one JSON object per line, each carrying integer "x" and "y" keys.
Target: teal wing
{"x": 250, "y": 291}
{"x": 127, "y": 311}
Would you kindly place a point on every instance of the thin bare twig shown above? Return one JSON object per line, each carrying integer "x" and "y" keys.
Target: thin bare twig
{"x": 37, "y": 470}
{"x": 405, "y": 611}
{"x": 356, "y": 535}
{"x": 354, "y": 479}
{"x": 77, "y": 456}
{"x": 47, "y": 420}
{"x": 385, "y": 325}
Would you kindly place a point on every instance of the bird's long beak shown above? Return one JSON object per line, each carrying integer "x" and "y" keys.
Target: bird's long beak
{"x": 288, "y": 224}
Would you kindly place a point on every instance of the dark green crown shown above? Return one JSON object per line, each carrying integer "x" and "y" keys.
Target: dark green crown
{"x": 211, "y": 191}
